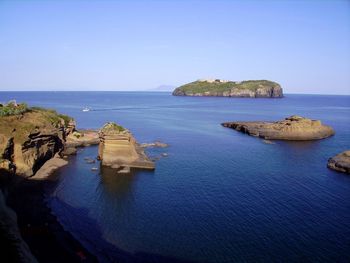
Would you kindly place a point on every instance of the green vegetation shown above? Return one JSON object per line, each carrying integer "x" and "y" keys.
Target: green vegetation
{"x": 24, "y": 122}
{"x": 78, "y": 134}
{"x": 218, "y": 87}
{"x": 12, "y": 108}
{"x": 52, "y": 115}
{"x": 112, "y": 127}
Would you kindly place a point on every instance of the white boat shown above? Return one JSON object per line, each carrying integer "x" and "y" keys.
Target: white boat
{"x": 86, "y": 109}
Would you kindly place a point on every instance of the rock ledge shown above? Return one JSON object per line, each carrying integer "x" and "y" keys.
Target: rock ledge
{"x": 294, "y": 128}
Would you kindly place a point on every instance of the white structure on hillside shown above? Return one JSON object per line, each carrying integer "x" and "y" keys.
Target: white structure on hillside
{"x": 213, "y": 80}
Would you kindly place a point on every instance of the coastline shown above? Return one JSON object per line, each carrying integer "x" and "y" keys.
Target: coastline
{"x": 225, "y": 144}
{"x": 39, "y": 231}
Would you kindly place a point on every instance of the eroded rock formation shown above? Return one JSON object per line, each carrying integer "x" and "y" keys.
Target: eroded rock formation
{"x": 81, "y": 138}
{"x": 28, "y": 140}
{"x": 119, "y": 149}
{"x": 340, "y": 162}
{"x": 292, "y": 128}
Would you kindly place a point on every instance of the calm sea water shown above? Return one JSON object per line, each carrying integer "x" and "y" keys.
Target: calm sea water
{"x": 219, "y": 196}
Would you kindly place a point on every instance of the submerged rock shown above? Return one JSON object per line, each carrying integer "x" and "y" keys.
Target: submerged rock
{"x": 118, "y": 148}
{"x": 124, "y": 170}
{"x": 340, "y": 162}
{"x": 69, "y": 151}
{"x": 268, "y": 142}
{"x": 89, "y": 160}
{"x": 292, "y": 128}
{"x": 156, "y": 144}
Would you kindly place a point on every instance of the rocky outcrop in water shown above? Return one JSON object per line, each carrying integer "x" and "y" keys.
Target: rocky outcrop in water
{"x": 156, "y": 144}
{"x": 119, "y": 149}
{"x": 81, "y": 138}
{"x": 292, "y": 128}
{"x": 340, "y": 162}
{"x": 224, "y": 88}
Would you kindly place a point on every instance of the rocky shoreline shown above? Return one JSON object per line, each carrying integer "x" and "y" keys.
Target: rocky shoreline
{"x": 34, "y": 145}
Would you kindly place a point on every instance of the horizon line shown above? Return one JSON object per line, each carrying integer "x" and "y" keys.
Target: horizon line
{"x": 158, "y": 91}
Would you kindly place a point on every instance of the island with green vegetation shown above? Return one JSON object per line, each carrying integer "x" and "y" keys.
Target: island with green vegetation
{"x": 225, "y": 88}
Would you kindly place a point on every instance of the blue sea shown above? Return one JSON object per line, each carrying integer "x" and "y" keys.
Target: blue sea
{"x": 219, "y": 195}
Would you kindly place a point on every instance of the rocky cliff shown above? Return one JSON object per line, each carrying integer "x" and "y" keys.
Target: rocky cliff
{"x": 119, "y": 149}
{"x": 29, "y": 139}
{"x": 223, "y": 88}
{"x": 292, "y": 128}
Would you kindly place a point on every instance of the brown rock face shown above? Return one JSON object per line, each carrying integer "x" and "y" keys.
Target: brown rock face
{"x": 49, "y": 167}
{"x": 26, "y": 158}
{"x": 340, "y": 162}
{"x": 119, "y": 149}
{"x": 39, "y": 148}
{"x": 28, "y": 140}
{"x": 292, "y": 128}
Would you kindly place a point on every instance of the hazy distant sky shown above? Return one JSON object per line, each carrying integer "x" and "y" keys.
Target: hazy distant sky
{"x": 138, "y": 45}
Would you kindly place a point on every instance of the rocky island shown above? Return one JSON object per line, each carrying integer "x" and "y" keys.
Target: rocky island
{"x": 118, "y": 149}
{"x": 294, "y": 128}
{"x": 340, "y": 162}
{"x": 225, "y": 88}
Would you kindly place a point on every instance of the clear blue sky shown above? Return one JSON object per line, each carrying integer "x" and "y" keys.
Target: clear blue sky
{"x": 138, "y": 45}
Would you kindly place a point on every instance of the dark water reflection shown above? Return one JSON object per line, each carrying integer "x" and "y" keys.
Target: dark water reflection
{"x": 118, "y": 186}
{"x": 110, "y": 253}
